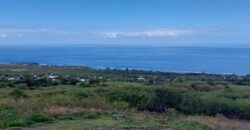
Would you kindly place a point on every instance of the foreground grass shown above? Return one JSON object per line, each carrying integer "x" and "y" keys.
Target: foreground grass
{"x": 126, "y": 121}
{"x": 75, "y": 107}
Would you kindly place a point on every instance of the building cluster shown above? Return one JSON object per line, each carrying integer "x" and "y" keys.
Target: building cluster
{"x": 58, "y": 78}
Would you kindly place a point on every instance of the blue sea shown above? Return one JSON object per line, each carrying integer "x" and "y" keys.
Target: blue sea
{"x": 171, "y": 59}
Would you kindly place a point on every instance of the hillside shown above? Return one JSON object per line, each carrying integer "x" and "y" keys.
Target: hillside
{"x": 66, "y": 97}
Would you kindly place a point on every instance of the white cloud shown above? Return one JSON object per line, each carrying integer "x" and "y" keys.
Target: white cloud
{"x": 10, "y": 36}
{"x": 24, "y": 29}
{"x": 96, "y": 35}
{"x": 17, "y": 32}
{"x": 2, "y": 35}
{"x": 150, "y": 33}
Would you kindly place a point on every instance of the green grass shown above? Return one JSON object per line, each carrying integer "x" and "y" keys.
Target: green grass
{"x": 240, "y": 88}
{"x": 139, "y": 121}
{"x": 114, "y": 105}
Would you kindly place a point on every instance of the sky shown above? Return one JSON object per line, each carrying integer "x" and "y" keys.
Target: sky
{"x": 126, "y": 22}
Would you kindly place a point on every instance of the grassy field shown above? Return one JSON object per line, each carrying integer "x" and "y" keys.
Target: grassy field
{"x": 85, "y": 98}
{"x": 76, "y": 107}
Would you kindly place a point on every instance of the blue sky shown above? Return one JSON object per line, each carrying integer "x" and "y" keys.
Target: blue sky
{"x": 143, "y": 22}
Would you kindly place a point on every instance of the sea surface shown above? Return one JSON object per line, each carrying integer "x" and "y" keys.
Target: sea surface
{"x": 173, "y": 59}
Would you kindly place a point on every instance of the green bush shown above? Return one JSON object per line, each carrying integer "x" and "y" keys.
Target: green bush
{"x": 3, "y": 85}
{"x": 13, "y": 123}
{"x": 39, "y": 117}
{"x": 94, "y": 81}
{"x": 9, "y": 117}
{"x": 120, "y": 105}
{"x": 80, "y": 94}
{"x": 166, "y": 98}
{"x": 187, "y": 101}
{"x": 86, "y": 115}
{"x": 139, "y": 98}
{"x": 172, "y": 113}
{"x": 17, "y": 94}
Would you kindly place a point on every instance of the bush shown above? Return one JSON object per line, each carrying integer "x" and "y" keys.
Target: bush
{"x": 3, "y": 85}
{"x": 172, "y": 113}
{"x": 94, "y": 81}
{"x": 90, "y": 116}
{"x": 80, "y": 94}
{"x": 69, "y": 81}
{"x": 85, "y": 85}
{"x": 13, "y": 123}
{"x": 9, "y": 117}
{"x": 39, "y": 117}
{"x": 21, "y": 86}
{"x": 17, "y": 94}
{"x": 139, "y": 98}
{"x": 121, "y": 106}
{"x": 166, "y": 98}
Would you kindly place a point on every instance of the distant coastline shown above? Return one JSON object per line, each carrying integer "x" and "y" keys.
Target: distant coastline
{"x": 118, "y": 69}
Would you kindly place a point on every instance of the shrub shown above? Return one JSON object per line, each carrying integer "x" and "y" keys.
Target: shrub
{"x": 3, "y": 85}
{"x": 39, "y": 117}
{"x": 90, "y": 116}
{"x": 121, "y": 106}
{"x": 13, "y": 123}
{"x": 172, "y": 113}
{"x": 94, "y": 81}
{"x": 80, "y": 94}
{"x": 139, "y": 98}
{"x": 22, "y": 86}
{"x": 17, "y": 94}
{"x": 85, "y": 85}
{"x": 166, "y": 98}
{"x": 11, "y": 84}
{"x": 69, "y": 81}
{"x": 242, "y": 108}
{"x": 72, "y": 81}
{"x": 9, "y": 117}
{"x": 103, "y": 85}
{"x": 190, "y": 104}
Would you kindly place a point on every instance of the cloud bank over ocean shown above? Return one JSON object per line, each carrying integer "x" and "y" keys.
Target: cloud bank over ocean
{"x": 11, "y": 34}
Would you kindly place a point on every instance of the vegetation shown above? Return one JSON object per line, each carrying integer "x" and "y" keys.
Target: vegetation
{"x": 115, "y": 99}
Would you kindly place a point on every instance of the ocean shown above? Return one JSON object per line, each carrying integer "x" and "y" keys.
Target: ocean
{"x": 168, "y": 59}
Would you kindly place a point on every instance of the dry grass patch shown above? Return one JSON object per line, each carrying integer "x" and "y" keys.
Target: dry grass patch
{"x": 62, "y": 110}
{"x": 223, "y": 123}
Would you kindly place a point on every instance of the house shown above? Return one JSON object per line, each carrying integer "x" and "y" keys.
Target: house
{"x": 141, "y": 78}
{"x": 13, "y": 78}
{"x": 82, "y": 80}
{"x": 53, "y": 78}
